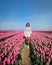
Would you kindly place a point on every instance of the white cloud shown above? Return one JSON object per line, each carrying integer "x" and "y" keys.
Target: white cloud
{"x": 8, "y": 23}
{"x": 41, "y": 25}
{"x": 11, "y": 25}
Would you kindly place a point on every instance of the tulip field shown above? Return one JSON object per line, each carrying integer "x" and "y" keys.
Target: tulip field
{"x": 12, "y": 42}
{"x": 41, "y": 48}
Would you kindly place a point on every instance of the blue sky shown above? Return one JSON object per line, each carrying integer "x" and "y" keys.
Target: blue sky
{"x": 14, "y": 14}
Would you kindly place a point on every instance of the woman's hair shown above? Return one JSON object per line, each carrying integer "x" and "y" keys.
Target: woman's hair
{"x": 27, "y": 24}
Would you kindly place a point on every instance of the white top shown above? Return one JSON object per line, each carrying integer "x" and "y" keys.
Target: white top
{"x": 27, "y": 32}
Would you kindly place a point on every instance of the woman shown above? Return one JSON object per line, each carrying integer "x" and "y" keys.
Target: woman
{"x": 27, "y": 34}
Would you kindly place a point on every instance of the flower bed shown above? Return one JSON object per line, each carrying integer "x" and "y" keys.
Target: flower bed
{"x": 41, "y": 49}
{"x": 10, "y": 50}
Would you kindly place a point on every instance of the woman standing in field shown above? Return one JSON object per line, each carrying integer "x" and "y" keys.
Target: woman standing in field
{"x": 27, "y": 34}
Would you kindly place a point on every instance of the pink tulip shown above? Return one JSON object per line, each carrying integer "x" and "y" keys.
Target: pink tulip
{"x": 8, "y": 60}
{"x": 49, "y": 60}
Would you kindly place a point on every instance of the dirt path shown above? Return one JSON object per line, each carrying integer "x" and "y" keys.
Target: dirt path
{"x": 25, "y": 56}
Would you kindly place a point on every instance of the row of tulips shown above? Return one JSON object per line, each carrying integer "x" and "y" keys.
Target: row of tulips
{"x": 5, "y": 34}
{"x": 41, "y": 49}
{"x": 10, "y": 50}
